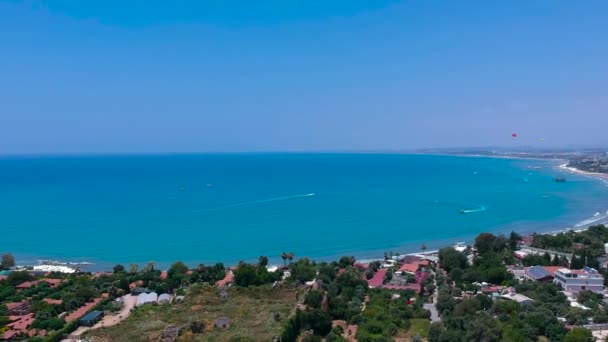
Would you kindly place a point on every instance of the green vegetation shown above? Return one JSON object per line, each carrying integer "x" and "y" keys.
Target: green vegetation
{"x": 252, "y": 311}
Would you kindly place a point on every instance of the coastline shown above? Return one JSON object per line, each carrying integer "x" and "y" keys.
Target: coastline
{"x": 407, "y": 247}
{"x": 597, "y": 175}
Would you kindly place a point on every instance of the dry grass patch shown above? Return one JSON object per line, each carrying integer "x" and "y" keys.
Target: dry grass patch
{"x": 251, "y": 312}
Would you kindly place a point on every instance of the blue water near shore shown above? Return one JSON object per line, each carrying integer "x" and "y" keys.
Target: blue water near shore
{"x": 231, "y": 207}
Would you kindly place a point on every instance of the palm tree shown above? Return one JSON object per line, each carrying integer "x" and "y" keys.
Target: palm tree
{"x": 133, "y": 268}
{"x": 284, "y": 257}
{"x": 290, "y": 256}
{"x": 423, "y": 248}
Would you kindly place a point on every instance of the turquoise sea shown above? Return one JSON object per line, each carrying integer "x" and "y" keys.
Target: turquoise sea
{"x": 231, "y": 207}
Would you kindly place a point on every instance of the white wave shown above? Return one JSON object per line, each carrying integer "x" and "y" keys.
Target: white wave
{"x": 481, "y": 208}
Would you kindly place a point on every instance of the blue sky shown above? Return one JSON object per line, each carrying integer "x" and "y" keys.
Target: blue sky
{"x": 279, "y": 75}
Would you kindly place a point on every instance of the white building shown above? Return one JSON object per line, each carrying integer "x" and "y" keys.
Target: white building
{"x": 578, "y": 280}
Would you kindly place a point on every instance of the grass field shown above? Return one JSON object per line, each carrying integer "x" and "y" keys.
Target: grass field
{"x": 251, "y": 312}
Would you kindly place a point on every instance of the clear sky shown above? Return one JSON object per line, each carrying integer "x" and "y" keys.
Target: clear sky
{"x": 286, "y": 75}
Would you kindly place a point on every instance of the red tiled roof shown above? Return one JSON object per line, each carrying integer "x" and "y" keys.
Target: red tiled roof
{"x": 227, "y": 279}
{"x": 552, "y": 269}
{"x": 53, "y": 301}
{"x": 82, "y": 310}
{"x": 163, "y": 275}
{"x": 3, "y": 277}
{"x": 424, "y": 262}
{"x": 410, "y": 268}
{"x": 23, "y": 323}
{"x": 378, "y": 278}
{"x": 11, "y": 306}
{"x": 42, "y": 332}
{"x": 51, "y": 281}
{"x": 9, "y": 334}
{"x": 351, "y": 333}
{"x": 27, "y": 284}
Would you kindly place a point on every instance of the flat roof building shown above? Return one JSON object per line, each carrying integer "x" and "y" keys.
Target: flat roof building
{"x": 579, "y": 280}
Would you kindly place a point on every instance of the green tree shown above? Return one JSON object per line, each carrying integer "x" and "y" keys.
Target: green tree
{"x": 450, "y": 259}
{"x": 18, "y": 277}
{"x": 178, "y": 268}
{"x": 119, "y": 268}
{"x": 8, "y": 261}
{"x": 484, "y": 242}
{"x": 514, "y": 239}
{"x": 263, "y": 261}
{"x": 578, "y": 335}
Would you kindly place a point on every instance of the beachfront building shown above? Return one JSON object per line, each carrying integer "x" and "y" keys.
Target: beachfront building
{"x": 578, "y": 280}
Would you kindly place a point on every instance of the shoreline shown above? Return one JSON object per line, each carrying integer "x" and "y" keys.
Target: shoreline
{"x": 597, "y": 175}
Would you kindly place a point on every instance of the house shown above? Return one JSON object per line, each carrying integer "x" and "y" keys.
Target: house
{"x": 18, "y": 308}
{"x": 378, "y": 278}
{"x": 540, "y": 273}
{"x": 91, "y": 318}
{"x": 577, "y": 280}
{"x": 409, "y": 268}
{"x": 81, "y": 311}
{"x": 51, "y": 281}
{"x": 53, "y": 301}
{"x": 227, "y": 279}
{"x": 26, "y": 285}
{"x": 519, "y": 298}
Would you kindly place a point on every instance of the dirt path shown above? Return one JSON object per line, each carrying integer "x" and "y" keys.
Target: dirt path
{"x": 129, "y": 302}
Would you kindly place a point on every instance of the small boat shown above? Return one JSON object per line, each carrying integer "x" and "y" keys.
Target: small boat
{"x": 463, "y": 211}
{"x": 560, "y": 179}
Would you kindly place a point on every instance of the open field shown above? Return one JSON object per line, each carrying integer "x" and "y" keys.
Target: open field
{"x": 251, "y": 312}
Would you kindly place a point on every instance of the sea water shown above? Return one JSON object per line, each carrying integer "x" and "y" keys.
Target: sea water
{"x": 206, "y": 208}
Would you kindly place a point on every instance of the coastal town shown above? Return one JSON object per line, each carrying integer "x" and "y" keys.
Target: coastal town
{"x": 545, "y": 287}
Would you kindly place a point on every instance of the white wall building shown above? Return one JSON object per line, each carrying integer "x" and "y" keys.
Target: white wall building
{"x": 578, "y": 280}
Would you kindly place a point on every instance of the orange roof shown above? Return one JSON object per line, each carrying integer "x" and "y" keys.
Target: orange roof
{"x": 410, "y": 268}
{"x": 81, "y": 311}
{"x": 424, "y": 262}
{"x": 351, "y": 333}
{"x": 53, "y": 301}
{"x": 51, "y": 281}
{"x": 11, "y": 306}
{"x": 3, "y": 277}
{"x": 27, "y": 284}
{"x": 552, "y": 269}
{"x": 163, "y": 275}
{"x": 227, "y": 279}
{"x": 9, "y": 334}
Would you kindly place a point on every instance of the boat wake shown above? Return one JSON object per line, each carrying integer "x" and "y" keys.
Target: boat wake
{"x": 469, "y": 211}
{"x": 261, "y": 201}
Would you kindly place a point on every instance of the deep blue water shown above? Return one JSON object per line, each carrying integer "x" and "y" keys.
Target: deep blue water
{"x": 231, "y": 207}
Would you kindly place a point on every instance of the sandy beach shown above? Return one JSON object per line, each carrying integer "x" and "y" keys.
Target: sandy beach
{"x": 602, "y": 176}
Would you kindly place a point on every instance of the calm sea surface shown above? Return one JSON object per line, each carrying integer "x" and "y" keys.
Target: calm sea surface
{"x": 208, "y": 208}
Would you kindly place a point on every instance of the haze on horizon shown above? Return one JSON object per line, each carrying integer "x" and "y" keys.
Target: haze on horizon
{"x": 276, "y": 75}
